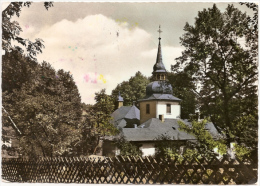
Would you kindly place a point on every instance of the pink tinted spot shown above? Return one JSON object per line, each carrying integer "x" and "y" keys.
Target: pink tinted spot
{"x": 94, "y": 81}
{"x": 86, "y": 77}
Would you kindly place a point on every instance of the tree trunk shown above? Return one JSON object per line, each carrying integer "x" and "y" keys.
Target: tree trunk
{"x": 227, "y": 121}
{"x": 95, "y": 149}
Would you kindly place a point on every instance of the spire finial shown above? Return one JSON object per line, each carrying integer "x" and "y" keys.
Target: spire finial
{"x": 160, "y": 31}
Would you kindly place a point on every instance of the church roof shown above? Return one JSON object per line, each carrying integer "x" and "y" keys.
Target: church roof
{"x": 159, "y": 66}
{"x": 154, "y": 128}
{"x": 159, "y": 87}
{"x": 166, "y": 97}
{"x": 120, "y": 123}
{"x": 133, "y": 113}
{"x": 126, "y": 112}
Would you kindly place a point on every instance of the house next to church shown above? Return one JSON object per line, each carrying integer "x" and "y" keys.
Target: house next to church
{"x": 158, "y": 116}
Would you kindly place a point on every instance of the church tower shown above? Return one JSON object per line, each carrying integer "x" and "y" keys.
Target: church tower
{"x": 120, "y": 100}
{"x": 159, "y": 101}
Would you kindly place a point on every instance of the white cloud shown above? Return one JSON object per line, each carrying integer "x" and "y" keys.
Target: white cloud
{"x": 99, "y": 52}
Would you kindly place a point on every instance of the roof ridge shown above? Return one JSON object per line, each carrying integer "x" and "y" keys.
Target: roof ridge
{"x": 133, "y": 112}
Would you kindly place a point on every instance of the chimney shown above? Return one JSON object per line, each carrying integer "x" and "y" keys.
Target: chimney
{"x": 161, "y": 117}
{"x": 120, "y": 100}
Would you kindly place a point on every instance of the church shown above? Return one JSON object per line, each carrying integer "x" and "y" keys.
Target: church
{"x": 158, "y": 116}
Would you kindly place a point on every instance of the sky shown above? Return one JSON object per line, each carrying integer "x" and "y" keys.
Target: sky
{"x": 104, "y": 44}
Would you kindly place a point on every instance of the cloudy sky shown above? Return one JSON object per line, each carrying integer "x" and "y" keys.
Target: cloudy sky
{"x": 103, "y": 44}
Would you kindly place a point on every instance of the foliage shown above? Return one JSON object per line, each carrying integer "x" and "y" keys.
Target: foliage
{"x": 44, "y": 104}
{"x": 102, "y": 111}
{"x": 127, "y": 148}
{"x": 12, "y": 29}
{"x": 98, "y": 122}
{"x": 247, "y": 126}
{"x": 131, "y": 90}
{"x": 183, "y": 88}
{"x": 226, "y": 68}
{"x": 241, "y": 151}
{"x": 179, "y": 150}
{"x": 205, "y": 139}
{"x": 247, "y": 130}
{"x": 165, "y": 148}
{"x": 14, "y": 78}
{"x": 253, "y": 32}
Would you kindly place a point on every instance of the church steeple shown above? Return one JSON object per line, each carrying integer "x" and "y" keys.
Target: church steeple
{"x": 159, "y": 101}
{"x": 159, "y": 71}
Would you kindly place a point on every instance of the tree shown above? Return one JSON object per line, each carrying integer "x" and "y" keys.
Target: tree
{"x": 127, "y": 148}
{"x": 98, "y": 120}
{"x": 216, "y": 57}
{"x": 132, "y": 90}
{"x": 252, "y": 38}
{"x": 183, "y": 88}
{"x": 43, "y": 103}
{"x": 205, "y": 141}
{"x": 12, "y": 29}
{"x": 166, "y": 148}
{"x": 45, "y": 107}
{"x": 16, "y": 70}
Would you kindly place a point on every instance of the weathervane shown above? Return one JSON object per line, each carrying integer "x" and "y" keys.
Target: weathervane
{"x": 159, "y": 31}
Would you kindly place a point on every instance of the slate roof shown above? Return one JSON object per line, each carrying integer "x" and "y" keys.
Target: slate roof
{"x": 125, "y": 114}
{"x": 120, "y": 123}
{"x": 133, "y": 113}
{"x": 160, "y": 97}
{"x": 159, "y": 66}
{"x": 159, "y": 87}
{"x": 130, "y": 112}
{"x": 153, "y": 128}
{"x": 212, "y": 129}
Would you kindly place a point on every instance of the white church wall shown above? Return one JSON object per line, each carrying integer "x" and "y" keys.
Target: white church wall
{"x": 148, "y": 149}
{"x": 175, "y": 110}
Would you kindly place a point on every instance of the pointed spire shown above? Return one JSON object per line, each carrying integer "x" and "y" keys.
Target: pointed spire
{"x": 159, "y": 66}
{"x": 159, "y": 54}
